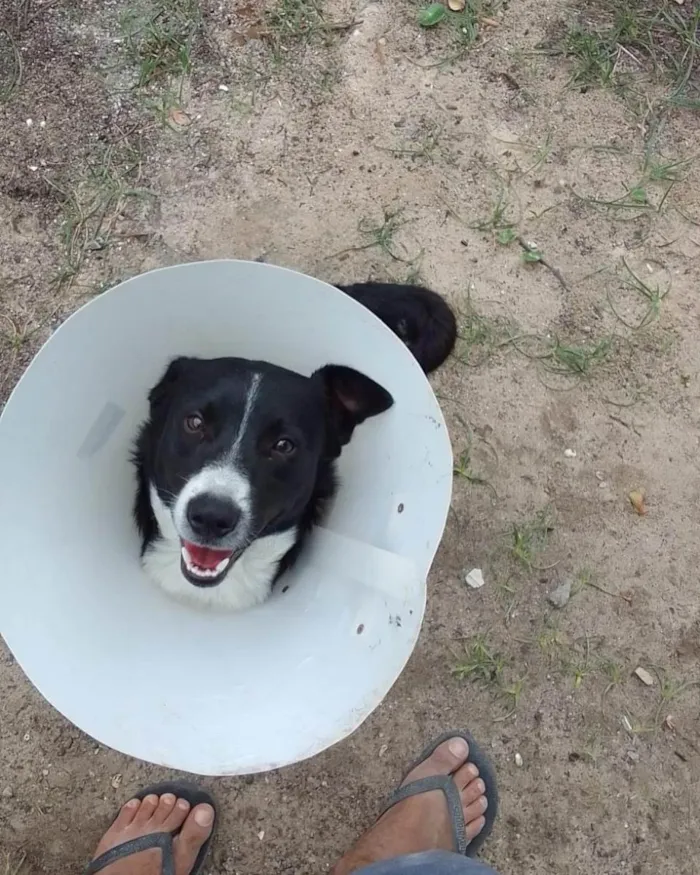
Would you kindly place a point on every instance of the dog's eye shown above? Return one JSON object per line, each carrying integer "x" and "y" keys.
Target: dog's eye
{"x": 283, "y": 447}
{"x": 193, "y": 423}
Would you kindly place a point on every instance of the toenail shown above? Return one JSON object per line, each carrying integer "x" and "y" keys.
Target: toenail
{"x": 458, "y": 747}
{"x": 484, "y": 803}
{"x": 183, "y": 803}
{"x": 472, "y": 770}
{"x": 167, "y": 799}
{"x": 204, "y": 817}
{"x": 133, "y": 803}
{"x": 480, "y": 786}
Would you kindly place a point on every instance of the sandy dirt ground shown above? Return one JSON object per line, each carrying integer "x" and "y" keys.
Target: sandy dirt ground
{"x": 537, "y": 164}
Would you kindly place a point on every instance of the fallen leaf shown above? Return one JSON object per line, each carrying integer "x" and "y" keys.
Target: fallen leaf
{"x": 670, "y": 723}
{"x": 431, "y": 15}
{"x": 644, "y": 676}
{"x": 179, "y": 118}
{"x": 490, "y": 22}
{"x": 636, "y": 498}
{"x": 456, "y": 5}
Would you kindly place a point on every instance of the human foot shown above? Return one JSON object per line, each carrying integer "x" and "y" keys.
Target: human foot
{"x": 164, "y": 814}
{"x": 422, "y": 822}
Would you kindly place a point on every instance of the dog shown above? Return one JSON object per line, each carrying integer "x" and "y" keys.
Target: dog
{"x": 236, "y": 461}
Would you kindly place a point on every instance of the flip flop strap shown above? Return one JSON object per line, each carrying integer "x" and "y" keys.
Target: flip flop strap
{"x": 161, "y": 840}
{"x": 453, "y": 799}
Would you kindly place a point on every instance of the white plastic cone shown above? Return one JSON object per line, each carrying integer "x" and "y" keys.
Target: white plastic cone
{"x": 215, "y": 694}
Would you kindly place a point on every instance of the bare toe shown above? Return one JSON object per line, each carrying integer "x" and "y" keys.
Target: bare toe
{"x": 473, "y": 790}
{"x": 195, "y": 831}
{"x": 473, "y": 829}
{"x": 126, "y": 815}
{"x": 465, "y": 775}
{"x": 445, "y": 759}
{"x": 475, "y": 810}
{"x": 177, "y": 815}
{"x": 146, "y": 809}
{"x": 166, "y": 803}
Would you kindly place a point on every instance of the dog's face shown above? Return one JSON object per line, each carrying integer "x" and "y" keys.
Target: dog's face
{"x": 233, "y": 449}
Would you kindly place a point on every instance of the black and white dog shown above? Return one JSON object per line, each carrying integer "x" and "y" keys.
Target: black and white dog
{"x": 237, "y": 458}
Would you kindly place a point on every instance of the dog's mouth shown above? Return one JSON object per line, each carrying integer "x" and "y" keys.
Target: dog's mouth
{"x": 205, "y": 566}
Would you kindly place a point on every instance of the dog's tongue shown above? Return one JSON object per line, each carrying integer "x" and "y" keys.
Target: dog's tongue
{"x": 205, "y": 557}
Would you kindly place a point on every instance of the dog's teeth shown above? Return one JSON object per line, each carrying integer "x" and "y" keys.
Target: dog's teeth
{"x": 197, "y": 571}
{"x": 220, "y": 567}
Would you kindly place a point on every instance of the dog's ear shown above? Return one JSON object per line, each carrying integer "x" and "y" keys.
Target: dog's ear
{"x": 159, "y": 394}
{"x": 351, "y": 397}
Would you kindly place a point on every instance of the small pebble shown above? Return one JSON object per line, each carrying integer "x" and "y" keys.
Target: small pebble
{"x": 518, "y": 760}
{"x": 7, "y": 792}
{"x": 475, "y": 578}
{"x": 644, "y": 676}
{"x": 570, "y": 454}
{"x": 560, "y": 596}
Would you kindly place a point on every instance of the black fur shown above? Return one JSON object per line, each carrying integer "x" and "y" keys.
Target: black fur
{"x": 320, "y": 412}
{"x": 419, "y": 316}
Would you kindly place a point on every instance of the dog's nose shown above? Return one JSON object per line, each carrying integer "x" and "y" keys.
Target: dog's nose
{"x": 212, "y": 516}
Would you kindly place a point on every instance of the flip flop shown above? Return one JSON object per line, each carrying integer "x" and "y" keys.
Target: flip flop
{"x": 449, "y": 788}
{"x": 161, "y": 840}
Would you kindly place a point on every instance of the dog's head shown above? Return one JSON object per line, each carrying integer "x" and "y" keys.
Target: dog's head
{"x": 233, "y": 449}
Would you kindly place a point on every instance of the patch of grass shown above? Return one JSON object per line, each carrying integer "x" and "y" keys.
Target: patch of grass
{"x": 576, "y": 662}
{"x": 382, "y": 235}
{"x": 613, "y": 673}
{"x": 670, "y": 690}
{"x": 565, "y": 359}
{"x": 478, "y": 335}
{"x": 14, "y": 334}
{"x": 651, "y": 189}
{"x": 651, "y": 296}
{"x": 291, "y": 22}
{"x": 92, "y": 206}
{"x": 592, "y": 54}
{"x": 550, "y": 640}
{"x": 463, "y": 467}
{"x": 159, "y": 36}
{"x": 484, "y": 665}
{"x": 579, "y": 359}
{"x": 637, "y": 36}
{"x": 498, "y": 222}
{"x": 529, "y": 538}
{"x": 480, "y": 662}
{"x": 464, "y": 26}
{"x": 11, "y": 66}
{"x": 507, "y": 235}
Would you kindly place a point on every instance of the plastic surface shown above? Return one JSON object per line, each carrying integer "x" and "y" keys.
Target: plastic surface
{"x": 215, "y": 694}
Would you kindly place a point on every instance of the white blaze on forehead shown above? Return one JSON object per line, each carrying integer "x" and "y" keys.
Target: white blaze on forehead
{"x": 225, "y": 477}
{"x": 251, "y": 398}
